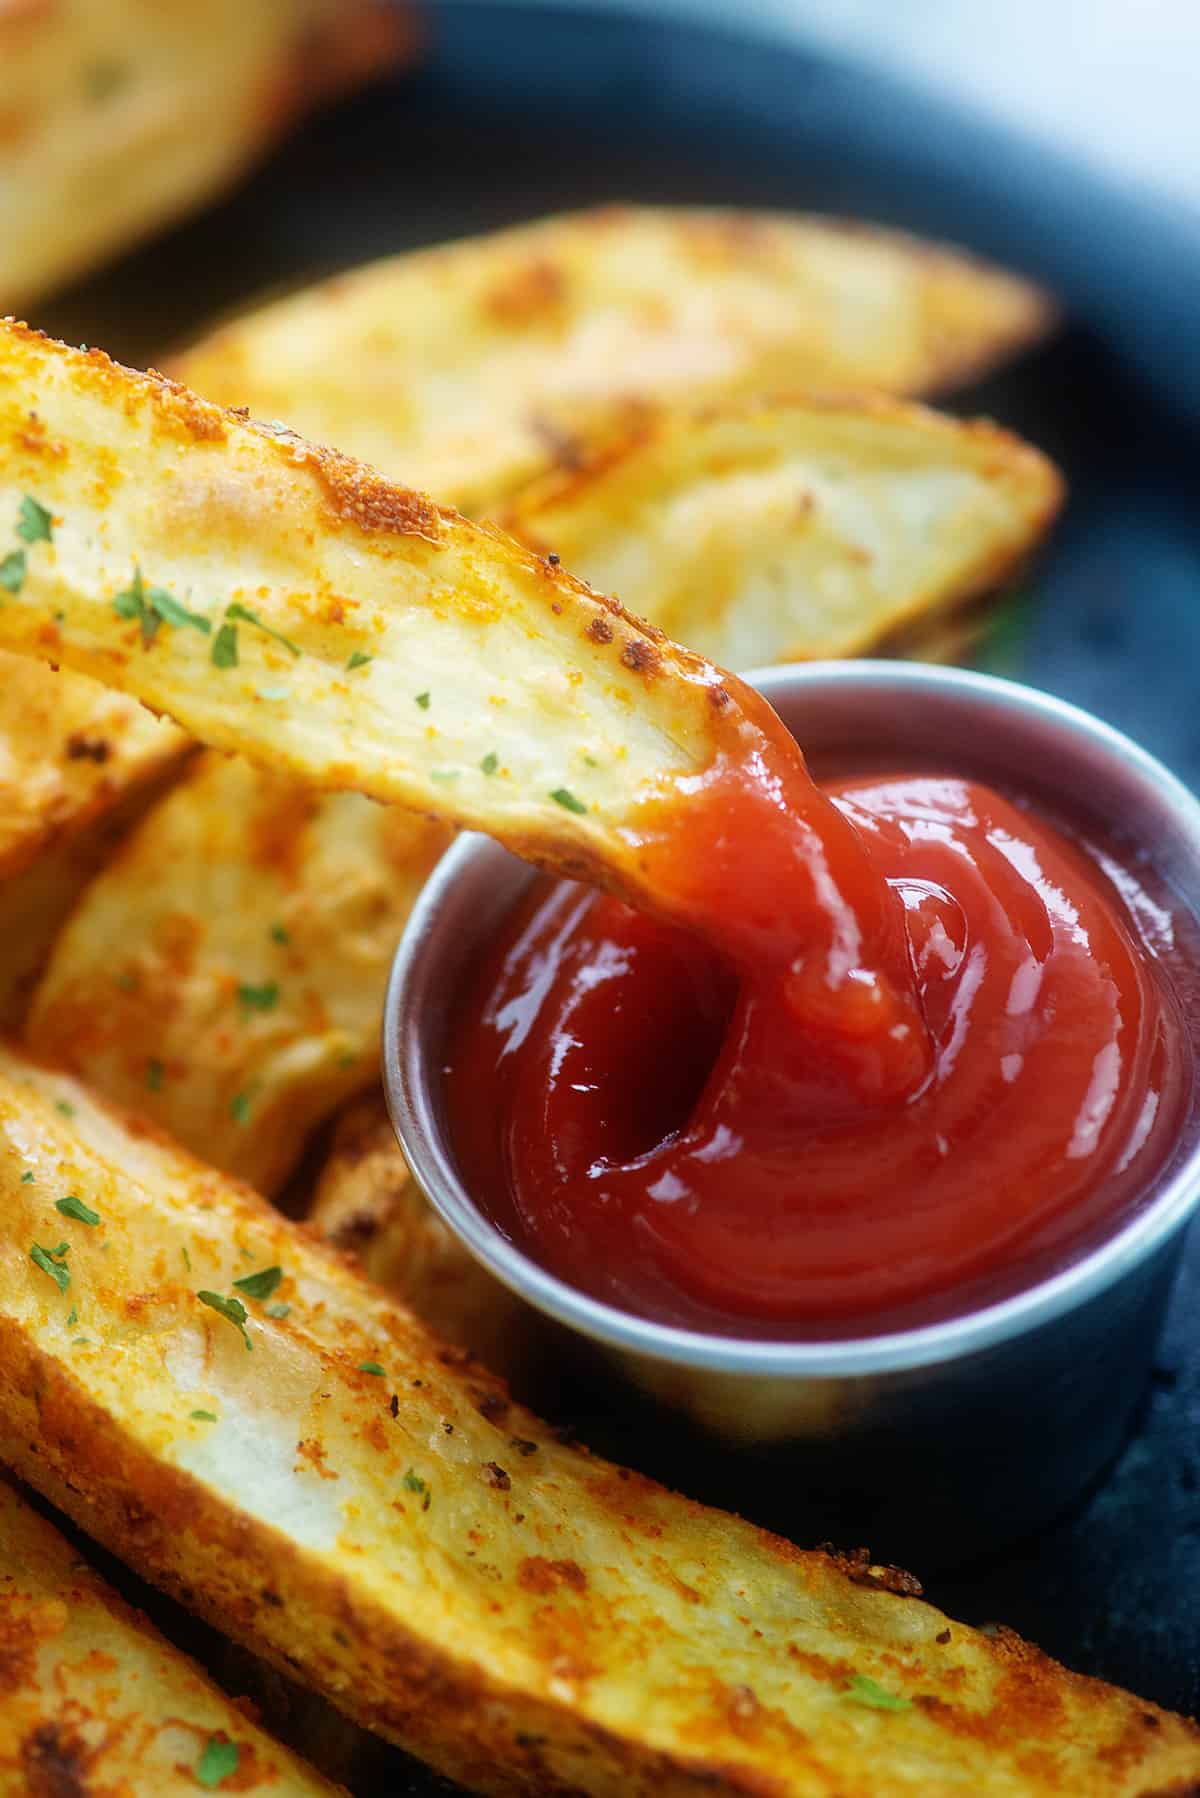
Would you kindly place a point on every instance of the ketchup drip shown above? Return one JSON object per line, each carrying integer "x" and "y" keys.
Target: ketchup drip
{"x": 908, "y": 1041}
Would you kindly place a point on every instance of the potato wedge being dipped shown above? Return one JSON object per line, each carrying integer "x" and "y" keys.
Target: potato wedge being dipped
{"x": 252, "y": 1424}
{"x": 470, "y": 368}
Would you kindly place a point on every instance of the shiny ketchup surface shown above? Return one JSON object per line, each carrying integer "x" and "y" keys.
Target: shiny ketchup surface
{"x": 890, "y": 1042}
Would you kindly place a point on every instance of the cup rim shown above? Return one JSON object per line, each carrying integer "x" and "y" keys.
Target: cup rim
{"x": 411, "y": 1106}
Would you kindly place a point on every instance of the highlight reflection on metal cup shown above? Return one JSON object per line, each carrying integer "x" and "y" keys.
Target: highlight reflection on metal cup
{"x": 975, "y": 1427}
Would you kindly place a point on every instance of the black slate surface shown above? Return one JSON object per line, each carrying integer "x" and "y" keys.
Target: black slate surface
{"x": 518, "y": 111}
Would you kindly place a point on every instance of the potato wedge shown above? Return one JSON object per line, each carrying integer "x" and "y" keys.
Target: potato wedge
{"x": 367, "y": 1204}
{"x": 371, "y": 1511}
{"x": 94, "y": 1699}
{"x": 779, "y": 530}
{"x": 470, "y": 368}
{"x": 77, "y": 764}
{"x": 225, "y": 973}
{"x": 297, "y": 608}
{"x": 109, "y": 120}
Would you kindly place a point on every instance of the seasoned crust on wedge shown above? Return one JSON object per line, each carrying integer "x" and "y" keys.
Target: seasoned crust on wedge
{"x": 525, "y": 1617}
{"x": 470, "y": 368}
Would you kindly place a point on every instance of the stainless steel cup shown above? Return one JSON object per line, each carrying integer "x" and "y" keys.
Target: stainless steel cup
{"x": 946, "y": 1437}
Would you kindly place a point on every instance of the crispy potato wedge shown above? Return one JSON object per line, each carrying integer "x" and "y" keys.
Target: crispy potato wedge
{"x": 94, "y": 1699}
{"x": 110, "y": 122}
{"x": 367, "y": 1204}
{"x": 225, "y": 973}
{"x": 297, "y": 608}
{"x": 470, "y": 368}
{"x": 77, "y": 764}
{"x": 371, "y": 1511}
{"x": 778, "y": 530}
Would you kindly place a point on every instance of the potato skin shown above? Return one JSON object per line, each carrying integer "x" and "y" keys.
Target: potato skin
{"x": 427, "y": 1553}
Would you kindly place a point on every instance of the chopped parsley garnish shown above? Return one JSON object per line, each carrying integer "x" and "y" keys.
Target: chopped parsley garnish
{"x": 443, "y": 774}
{"x": 423, "y": 701}
{"x": 65, "y": 1106}
{"x": 203, "y": 1416}
{"x": 187, "y": 1260}
{"x": 27, "y": 1177}
{"x": 371, "y": 1367}
{"x": 259, "y": 998}
{"x": 240, "y": 1107}
{"x": 34, "y": 523}
{"x": 490, "y": 762}
{"x": 225, "y": 647}
{"x": 219, "y": 1760}
{"x": 233, "y": 1309}
{"x": 563, "y": 796}
{"x": 864, "y": 1690}
{"x": 152, "y": 606}
{"x": 280, "y": 1310}
{"x": 279, "y": 934}
{"x": 12, "y": 571}
{"x": 261, "y": 1284}
{"x": 412, "y": 1482}
{"x": 358, "y": 660}
{"x": 50, "y": 1262}
{"x": 70, "y": 1206}
{"x": 237, "y": 613}
{"x": 72, "y": 1318}
{"x": 81, "y": 1342}
{"x": 154, "y": 1076}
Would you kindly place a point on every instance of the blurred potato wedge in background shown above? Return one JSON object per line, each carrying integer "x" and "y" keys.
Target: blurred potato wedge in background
{"x": 117, "y": 116}
{"x": 367, "y": 1204}
{"x": 224, "y": 974}
{"x": 77, "y": 764}
{"x": 322, "y": 1478}
{"x": 467, "y": 369}
{"x": 775, "y": 530}
{"x": 96, "y": 1701}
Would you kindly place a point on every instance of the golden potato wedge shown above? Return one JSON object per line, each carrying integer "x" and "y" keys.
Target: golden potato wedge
{"x": 225, "y": 973}
{"x": 297, "y": 608}
{"x": 300, "y": 1460}
{"x": 94, "y": 1699}
{"x": 116, "y": 116}
{"x": 77, "y": 764}
{"x": 367, "y": 1204}
{"x": 470, "y": 368}
{"x": 783, "y": 529}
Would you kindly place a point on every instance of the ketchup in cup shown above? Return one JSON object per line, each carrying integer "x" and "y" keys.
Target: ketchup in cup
{"x": 885, "y": 1042}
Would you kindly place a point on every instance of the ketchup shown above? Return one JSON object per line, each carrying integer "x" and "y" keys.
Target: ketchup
{"x": 888, "y": 1044}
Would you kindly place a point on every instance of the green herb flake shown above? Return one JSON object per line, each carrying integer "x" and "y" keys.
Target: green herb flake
{"x": 358, "y": 660}
{"x": 863, "y": 1690}
{"x": 243, "y": 614}
{"x": 423, "y": 701}
{"x": 260, "y": 1285}
{"x": 203, "y": 1416}
{"x": 241, "y": 1106}
{"x": 81, "y": 1342}
{"x": 72, "y": 1318}
{"x": 65, "y": 1106}
{"x": 187, "y": 1260}
{"x": 70, "y": 1206}
{"x": 47, "y": 1260}
{"x": 280, "y": 1310}
{"x": 154, "y": 1076}
{"x": 225, "y": 647}
{"x": 152, "y": 606}
{"x": 279, "y": 935}
{"x": 233, "y": 1309}
{"x": 170, "y": 610}
{"x": 259, "y": 998}
{"x": 443, "y": 774}
{"x": 12, "y": 571}
{"x": 27, "y": 1177}
{"x": 217, "y": 1763}
{"x": 563, "y": 796}
{"x": 490, "y": 762}
{"x": 412, "y": 1482}
{"x": 34, "y": 523}
{"x": 370, "y": 1367}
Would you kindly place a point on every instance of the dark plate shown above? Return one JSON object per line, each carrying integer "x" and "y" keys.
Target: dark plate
{"x": 518, "y": 111}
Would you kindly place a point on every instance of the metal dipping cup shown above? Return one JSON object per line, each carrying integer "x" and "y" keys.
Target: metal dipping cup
{"x": 953, "y": 1436}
